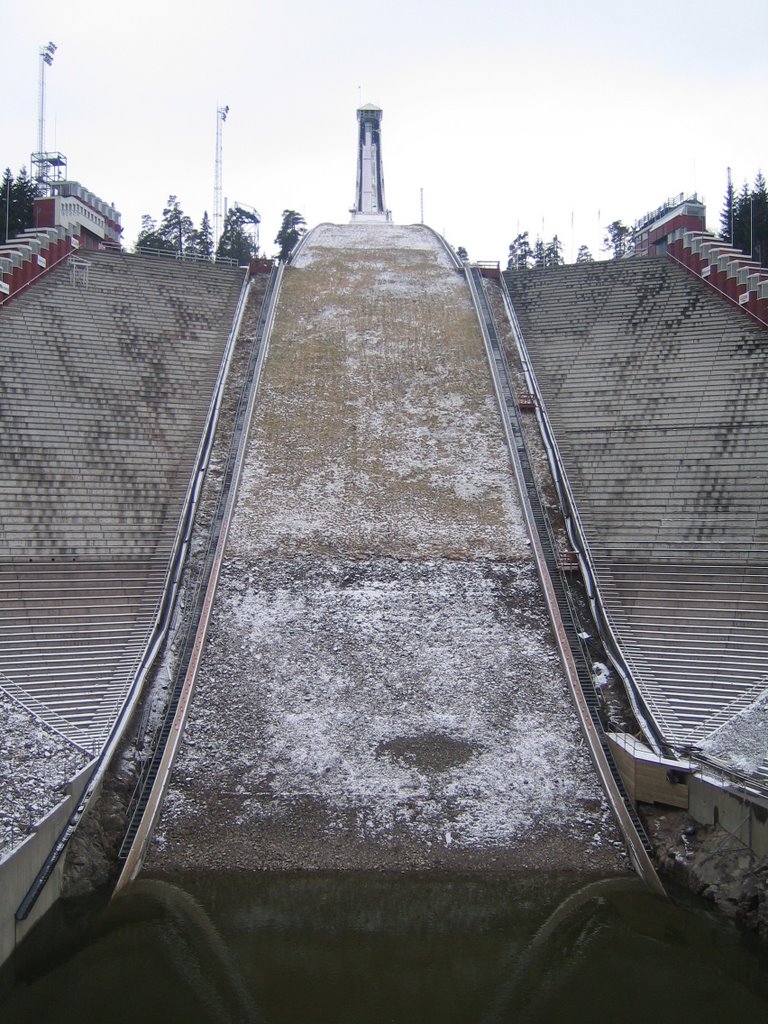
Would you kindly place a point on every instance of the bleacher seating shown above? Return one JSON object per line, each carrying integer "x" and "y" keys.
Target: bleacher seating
{"x": 726, "y": 269}
{"x": 657, "y": 393}
{"x": 107, "y": 374}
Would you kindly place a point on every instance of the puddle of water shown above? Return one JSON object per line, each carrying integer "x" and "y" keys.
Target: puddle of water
{"x": 346, "y": 949}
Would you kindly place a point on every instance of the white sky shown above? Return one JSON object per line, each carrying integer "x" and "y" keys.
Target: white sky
{"x": 550, "y": 116}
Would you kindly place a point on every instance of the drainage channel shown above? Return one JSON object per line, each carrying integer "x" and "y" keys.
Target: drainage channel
{"x": 545, "y": 549}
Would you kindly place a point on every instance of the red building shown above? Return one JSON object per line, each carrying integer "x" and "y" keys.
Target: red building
{"x": 652, "y": 234}
{"x": 67, "y": 220}
{"x": 93, "y": 222}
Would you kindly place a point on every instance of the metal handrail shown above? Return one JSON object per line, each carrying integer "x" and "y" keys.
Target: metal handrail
{"x": 578, "y": 537}
{"x": 184, "y": 257}
{"x": 153, "y": 805}
{"x": 192, "y": 603}
{"x": 589, "y": 573}
{"x": 625, "y": 813}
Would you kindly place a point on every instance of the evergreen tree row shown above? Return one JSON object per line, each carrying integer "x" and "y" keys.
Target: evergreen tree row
{"x": 523, "y": 256}
{"x": 17, "y": 195}
{"x": 177, "y": 234}
{"x": 744, "y": 219}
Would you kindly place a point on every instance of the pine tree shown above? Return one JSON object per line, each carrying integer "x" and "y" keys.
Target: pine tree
{"x": 617, "y": 240}
{"x": 726, "y": 215}
{"x": 741, "y": 219}
{"x": 148, "y": 237}
{"x": 750, "y": 220}
{"x": 539, "y": 254}
{"x": 520, "y": 254}
{"x": 291, "y": 230}
{"x": 237, "y": 241}
{"x": 175, "y": 227}
{"x": 584, "y": 255}
{"x": 24, "y": 191}
{"x": 760, "y": 220}
{"x": 204, "y": 238}
{"x": 5, "y": 202}
{"x": 17, "y": 198}
{"x": 553, "y": 254}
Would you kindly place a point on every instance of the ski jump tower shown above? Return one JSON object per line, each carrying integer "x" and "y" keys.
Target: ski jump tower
{"x": 369, "y": 197}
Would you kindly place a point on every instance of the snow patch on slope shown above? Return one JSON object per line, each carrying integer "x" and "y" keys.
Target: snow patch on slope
{"x": 742, "y": 742}
{"x": 356, "y": 684}
{"x": 36, "y": 762}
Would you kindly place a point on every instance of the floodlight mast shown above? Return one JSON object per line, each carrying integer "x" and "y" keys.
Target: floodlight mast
{"x": 46, "y": 59}
{"x": 221, "y": 117}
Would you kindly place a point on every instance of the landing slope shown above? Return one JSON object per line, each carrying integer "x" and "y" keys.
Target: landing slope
{"x": 381, "y": 688}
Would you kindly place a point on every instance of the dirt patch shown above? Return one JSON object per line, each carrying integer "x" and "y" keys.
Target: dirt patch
{"x": 431, "y": 752}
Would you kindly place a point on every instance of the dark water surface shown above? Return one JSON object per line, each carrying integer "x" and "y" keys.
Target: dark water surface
{"x": 367, "y": 949}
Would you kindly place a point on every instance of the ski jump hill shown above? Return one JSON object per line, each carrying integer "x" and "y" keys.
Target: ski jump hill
{"x": 381, "y": 686}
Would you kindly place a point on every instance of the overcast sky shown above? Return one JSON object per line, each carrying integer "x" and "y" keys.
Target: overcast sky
{"x": 545, "y": 115}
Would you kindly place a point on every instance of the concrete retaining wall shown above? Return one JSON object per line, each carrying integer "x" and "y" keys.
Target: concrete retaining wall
{"x": 647, "y": 777}
{"x": 744, "y": 817}
{"x": 19, "y": 869}
{"x": 652, "y": 779}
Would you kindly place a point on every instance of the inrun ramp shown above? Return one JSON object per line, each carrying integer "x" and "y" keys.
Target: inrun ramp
{"x": 657, "y": 394}
{"x": 107, "y": 372}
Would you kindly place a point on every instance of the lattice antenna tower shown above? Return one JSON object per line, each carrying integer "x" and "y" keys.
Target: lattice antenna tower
{"x": 221, "y": 117}
{"x": 46, "y": 59}
{"x": 46, "y": 167}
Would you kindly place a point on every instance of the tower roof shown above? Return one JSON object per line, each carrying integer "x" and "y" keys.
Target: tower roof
{"x": 370, "y": 106}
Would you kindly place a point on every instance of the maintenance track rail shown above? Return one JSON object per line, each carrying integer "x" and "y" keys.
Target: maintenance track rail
{"x": 150, "y": 790}
{"x": 557, "y": 597}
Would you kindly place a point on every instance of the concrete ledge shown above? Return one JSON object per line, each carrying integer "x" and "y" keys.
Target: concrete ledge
{"x": 744, "y": 815}
{"x": 649, "y": 778}
{"x": 20, "y": 868}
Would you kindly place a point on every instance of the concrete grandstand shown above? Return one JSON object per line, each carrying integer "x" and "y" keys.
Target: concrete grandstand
{"x": 654, "y": 389}
{"x": 109, "y": 368}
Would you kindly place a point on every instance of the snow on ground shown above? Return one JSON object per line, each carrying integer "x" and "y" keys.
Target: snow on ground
{"x": 36, "y": 762}
{"x": 368, "y": 238}
{"x": 742, "y": 742}
{"x": 381, "y": 687}
{"x": 416, "y": 698}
